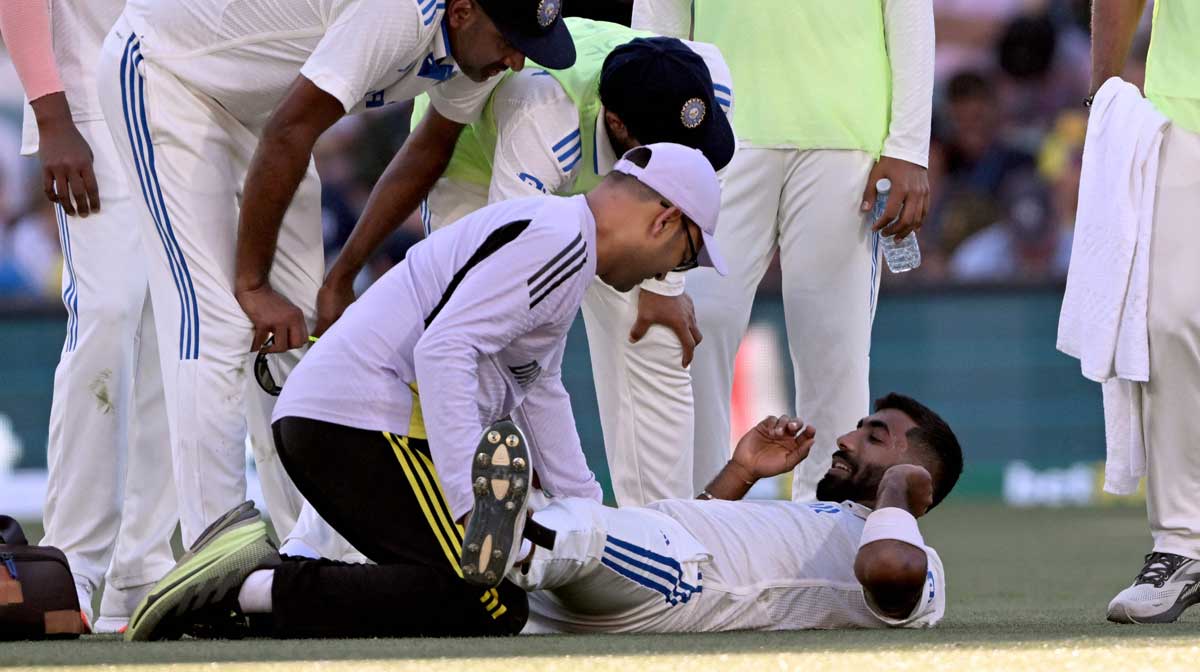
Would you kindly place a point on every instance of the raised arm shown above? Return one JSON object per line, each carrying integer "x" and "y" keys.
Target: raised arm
{"x": 408, "y": 178}
{"x": 65, "y": 155}
{"x": 892, "y": 563}
{"x": 1114, "y": 23}
{"x": 775, "y": 446}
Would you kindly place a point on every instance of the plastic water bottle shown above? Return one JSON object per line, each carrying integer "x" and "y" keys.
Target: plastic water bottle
{"x": 903, "y": 255}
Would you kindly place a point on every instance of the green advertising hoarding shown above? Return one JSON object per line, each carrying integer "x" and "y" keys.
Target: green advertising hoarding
{"x": 1031, "y": 426}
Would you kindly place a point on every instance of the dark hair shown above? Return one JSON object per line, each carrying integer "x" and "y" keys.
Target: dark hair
{"x": 1026, "y": 47}
{"x": 639, "y": 156}
{"x": 935, "y": 438}
{"x": 967, "y": 85}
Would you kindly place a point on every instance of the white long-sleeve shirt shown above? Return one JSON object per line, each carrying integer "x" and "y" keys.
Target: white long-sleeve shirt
{"x": 469, "y": 328}
{"x": 909, "y": 32}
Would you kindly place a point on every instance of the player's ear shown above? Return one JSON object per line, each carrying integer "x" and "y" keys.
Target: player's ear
{"x": 666, "y": 221}
{"x": 618, "y": 131}
{"x": 460, "y": 12}
{"x": 616, "y": 128}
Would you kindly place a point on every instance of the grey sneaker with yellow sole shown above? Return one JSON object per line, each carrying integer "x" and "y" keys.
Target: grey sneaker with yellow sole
{"x": 209, "y": 575}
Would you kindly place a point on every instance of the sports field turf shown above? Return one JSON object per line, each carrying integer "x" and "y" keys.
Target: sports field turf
{"x": 1026, "y": 588}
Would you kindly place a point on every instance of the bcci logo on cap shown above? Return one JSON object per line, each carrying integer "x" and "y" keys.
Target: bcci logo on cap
{"x": 693, "y": 113}
{"x": 548, "y": 11}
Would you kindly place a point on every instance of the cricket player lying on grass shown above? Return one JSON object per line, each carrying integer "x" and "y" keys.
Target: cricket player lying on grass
{"x": 854, "y": 559}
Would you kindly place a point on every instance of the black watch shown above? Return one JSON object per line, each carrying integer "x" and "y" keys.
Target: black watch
{"x": 1087, "y": 102}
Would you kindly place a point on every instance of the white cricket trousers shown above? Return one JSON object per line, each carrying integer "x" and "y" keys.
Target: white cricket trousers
{"x": 110, "y": 500}
{"x": 613, "y": 570}
{"x": 188, "y": 158}
{"x": 1171, "y": 399}
{"x": 643, "y": 393}
{"x": 805, "y": 204}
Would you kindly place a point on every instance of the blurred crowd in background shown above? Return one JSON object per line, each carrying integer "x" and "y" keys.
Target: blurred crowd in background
{"x": 1008, "y": 133}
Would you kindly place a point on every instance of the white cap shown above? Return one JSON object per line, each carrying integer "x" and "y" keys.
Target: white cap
{"x": 684, "y": 177}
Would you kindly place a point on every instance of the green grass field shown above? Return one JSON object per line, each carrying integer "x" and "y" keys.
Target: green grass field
{"x": 1026, "y": 588}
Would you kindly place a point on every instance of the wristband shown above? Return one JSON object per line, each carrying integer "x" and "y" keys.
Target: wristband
{"x": 892, "y": 523}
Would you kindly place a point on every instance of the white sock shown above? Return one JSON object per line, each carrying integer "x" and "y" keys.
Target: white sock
{"x": 255, "y": 595}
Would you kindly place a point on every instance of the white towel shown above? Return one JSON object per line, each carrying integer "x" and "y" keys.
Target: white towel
{"x": 1103, "y": 317}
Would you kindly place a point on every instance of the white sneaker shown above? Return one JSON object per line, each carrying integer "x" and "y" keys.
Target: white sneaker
{"x": 116, "y": 605}
{"x": 1167, "y": 585}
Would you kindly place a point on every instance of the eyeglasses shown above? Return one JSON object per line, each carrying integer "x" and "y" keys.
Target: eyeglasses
{"x": 262, "y": 372}
{"x": 693, "y": 258}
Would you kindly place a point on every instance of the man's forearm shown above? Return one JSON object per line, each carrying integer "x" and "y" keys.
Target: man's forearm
{"x": 892, "y": 569}
{"x": 731, "y": 483}
{"x": 1114, "y": 23}
{"x": 51, "y": 110}
{"x": 276, "y": 170}
{"x": 407, "y": 180}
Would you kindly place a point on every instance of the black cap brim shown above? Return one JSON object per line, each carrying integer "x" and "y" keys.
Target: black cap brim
{"x": 553, "y": 49}
{"x": 718, "y": 143}
{"x": 714, "y": 138}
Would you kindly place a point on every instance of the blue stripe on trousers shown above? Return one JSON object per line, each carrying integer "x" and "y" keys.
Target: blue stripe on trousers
{"x": 673, "y": 587}
{"x": 70, "y": 293}
{"x": 639, "y": 579}
{"x": 143, "y": 153}
{"x": 677, "y": 589}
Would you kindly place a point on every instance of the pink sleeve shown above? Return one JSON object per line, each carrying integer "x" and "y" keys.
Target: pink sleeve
{"x": 25, "y": 26}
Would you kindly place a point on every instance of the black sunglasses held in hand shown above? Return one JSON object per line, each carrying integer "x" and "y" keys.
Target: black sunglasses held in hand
{"x": 262, "y": 372}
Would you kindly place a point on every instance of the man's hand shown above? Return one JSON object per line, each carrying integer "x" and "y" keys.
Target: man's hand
{"x": 673, "y": 312}
{"x": 775, "y": 446}
{"x": 334, "y": 297}
{"x": 908, "y": 487}
{"x": 908, "y": 202}
{"x": 273, "y": 314}
{"x": 66, "y": 158}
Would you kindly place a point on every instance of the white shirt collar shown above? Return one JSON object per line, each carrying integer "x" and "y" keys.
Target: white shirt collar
{"x": 603, "y": 156}
{"x": 441, "y": 43}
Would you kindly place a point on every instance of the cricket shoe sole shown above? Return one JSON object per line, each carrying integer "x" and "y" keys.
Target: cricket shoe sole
{"x": 500, "y": 473}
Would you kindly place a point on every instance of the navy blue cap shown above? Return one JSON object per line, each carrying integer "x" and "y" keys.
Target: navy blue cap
{"x": 663, "y": 92}
{"x": 535, "y": 28}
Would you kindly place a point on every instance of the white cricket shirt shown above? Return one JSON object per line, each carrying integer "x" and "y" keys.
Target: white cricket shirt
{"x": 786, "y": 566}
{"x": 477, "y": 316}
{"x": 366, "y": 53}
{"x": 771, "y": 565}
